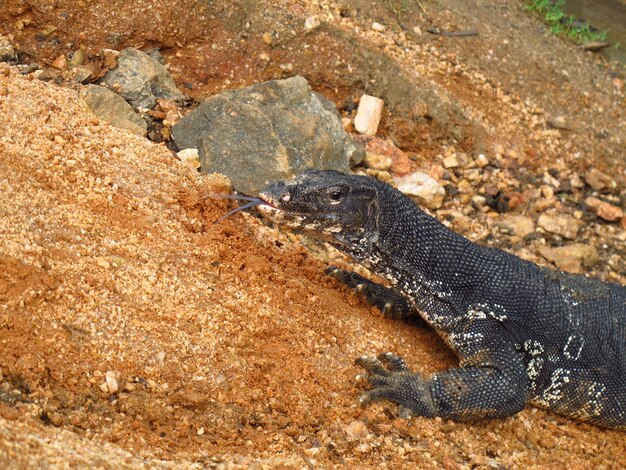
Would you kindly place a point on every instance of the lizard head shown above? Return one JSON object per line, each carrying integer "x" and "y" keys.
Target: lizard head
{"x": 326, "y": 202}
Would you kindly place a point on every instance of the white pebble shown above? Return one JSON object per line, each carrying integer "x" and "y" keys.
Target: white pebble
{"x": 368, "y": 115}
{"x": 111, "y": 382}
{"x": 189, "y": 157}
{"x": 378, "y": 27}
{"x": 311, "y": 23}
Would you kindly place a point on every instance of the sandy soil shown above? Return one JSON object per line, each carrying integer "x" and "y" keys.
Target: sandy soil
{"x": 135, "y": 332}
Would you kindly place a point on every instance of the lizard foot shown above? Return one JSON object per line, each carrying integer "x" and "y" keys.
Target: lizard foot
{"x": 389, "y": 301}
{"x": 390, "y": 379}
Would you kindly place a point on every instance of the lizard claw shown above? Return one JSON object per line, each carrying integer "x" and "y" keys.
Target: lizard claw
{"x": 330, "y": 270}
{"x": 389, "y": 378}
{"x": 405, "y": 412}
{"x": 393, "y": 362}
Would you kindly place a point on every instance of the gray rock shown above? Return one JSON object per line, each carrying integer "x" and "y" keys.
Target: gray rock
{"x": 141, "y": 80}
{"x": 266, "y": 132}
{"x": 112, "y": 108}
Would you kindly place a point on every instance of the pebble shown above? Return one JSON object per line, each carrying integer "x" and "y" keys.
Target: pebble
{"x": 576, "y": 181}
{"x": 604, "y": 210}
{"x": 356, "y": 430}
{"x": 377, "y": 162}
{"x": 267, "y": 38}
{"x": 401, "y": 163}
{"x": 110, "y": 384}
{"x": 547, "y": 191}
{"x": 450, "y": 162}
{"x": 189, "y": 157}
{"x": 481, "y": 161}
{"x": 515, "y": 224}
{"x": 558, "y": 122}
{"x": 378, "y": 27}
{"x": 570, "y": 258}
{"x": 6, "y": 49}
{"x": 368, "y": 115}
{"x": 478, "y": 202}
{"x": 618, "y": 83}
{"x": 103, "y": 263}
{"x": 598, "y": 180}
{"x": 465, "y": 187}
{"x": 424, "y": 188}
{"x": 60, "y": 62}
{"x": 560, "y": 224}
{"x": 311, "y": 23}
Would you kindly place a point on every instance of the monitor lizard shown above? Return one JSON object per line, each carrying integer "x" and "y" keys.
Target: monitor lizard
{"x": 523, "y": 333}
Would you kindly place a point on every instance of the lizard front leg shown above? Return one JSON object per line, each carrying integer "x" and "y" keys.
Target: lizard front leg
{"x": 491, "y": 383}
{"x": 390, "y": 302}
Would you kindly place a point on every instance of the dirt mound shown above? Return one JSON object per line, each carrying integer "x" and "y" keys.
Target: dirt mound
{"x": 135, "y": 331}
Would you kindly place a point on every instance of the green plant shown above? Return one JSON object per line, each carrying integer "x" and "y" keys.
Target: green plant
{"x": 562, "y": 24}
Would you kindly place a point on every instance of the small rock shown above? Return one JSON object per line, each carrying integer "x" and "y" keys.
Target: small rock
{"x": 558, "y": 122}
{"x": 267, "y": 38}
{"x": 190, "y": 399}
{"x": 189, "y": 157}
{"x": 60, "y": 62}
{"x": 561, "y": 224}
{"x": 425, "y": 189}
{"x": 111, "y": 383}
{"x": 81, "y": 73}
{"x": 368, "y": 115}
{"x": 7, "y": 53}
{"x": 598, "y": 180}
{"x": 570, "y": 258}
{"x": 401, "y": 163}
{"x": 604, "y": 210}
{"x": 417, "y": 30}
{"x": 450, "y": 162}
{"x": 576, "y": 181}
{"x": 112, "y": 108}
{"x": 141, "y": 80}
{"x": 481, "y": 161}
{"x": 473, "y": 175}
{"x": 103, "y": 263}
{"x": 547, "y": 191}
{"x": 264, "y": 56}
{"x": 516, "y": 200}
{"x": 515, "y": 224}
{"x": 465, "y": 187}
{"x": 618, "y": 83}
{"x": 76, "y": 58}
{"x": 478, "y": 202}
{"x": 311, "y": 23}
{"x": 356, "y": 430}
{"x": 377, "y": 162}
{"x": 378, "y": 27}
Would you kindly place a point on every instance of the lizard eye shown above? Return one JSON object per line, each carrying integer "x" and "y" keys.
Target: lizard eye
{"x": 336, "y": 195}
